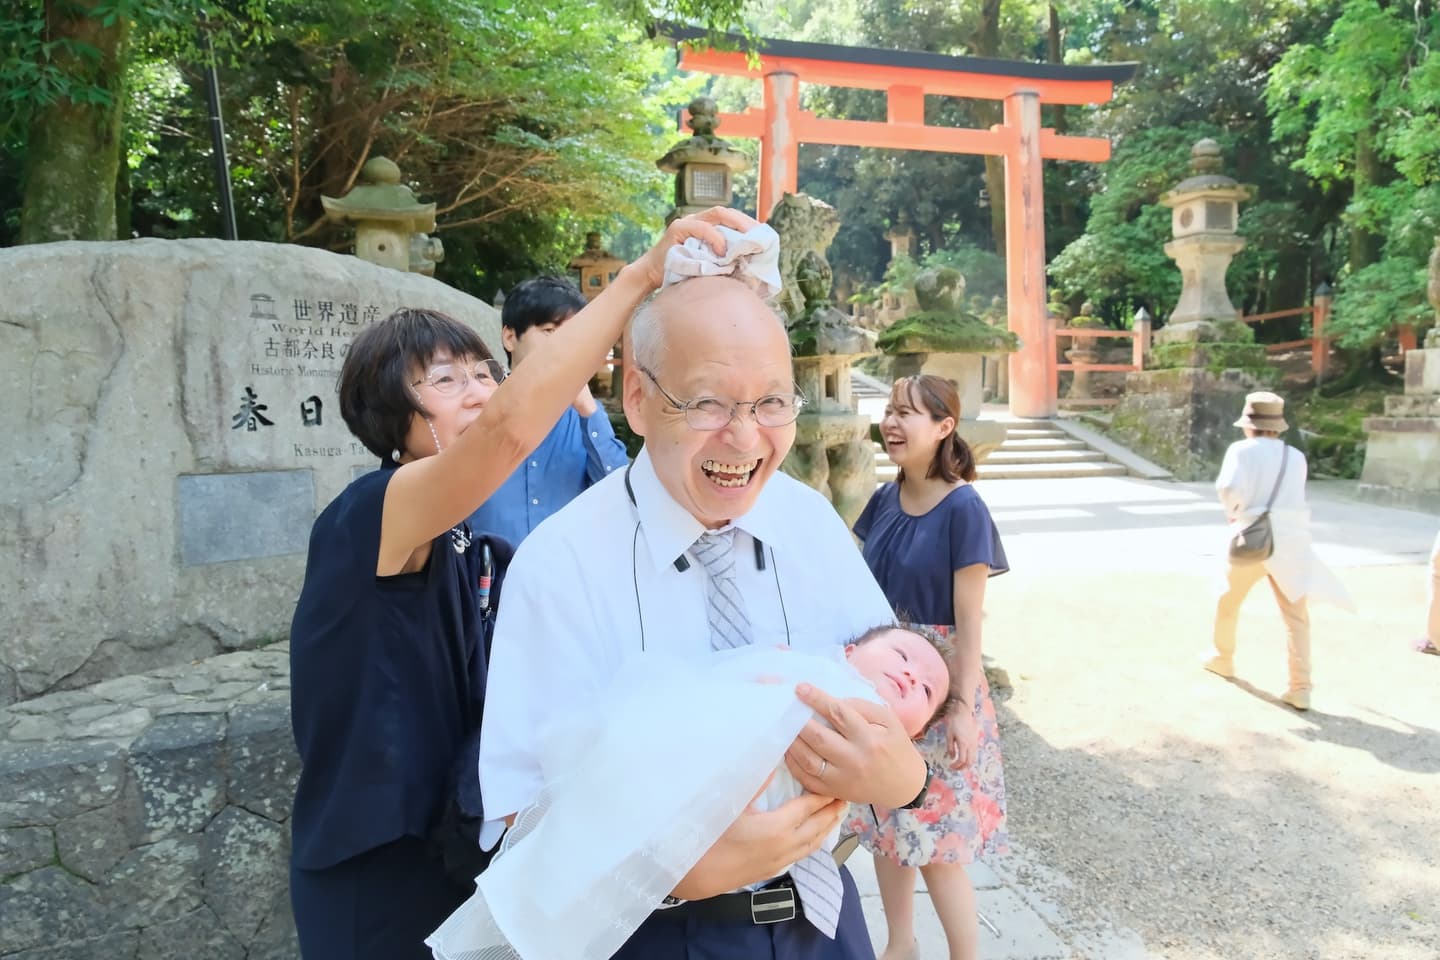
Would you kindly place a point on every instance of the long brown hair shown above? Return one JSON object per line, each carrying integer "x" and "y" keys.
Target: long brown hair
{"x": 940, "y": 398}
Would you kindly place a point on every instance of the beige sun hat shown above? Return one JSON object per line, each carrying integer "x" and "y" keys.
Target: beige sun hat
{"x": 1264, "y": 411}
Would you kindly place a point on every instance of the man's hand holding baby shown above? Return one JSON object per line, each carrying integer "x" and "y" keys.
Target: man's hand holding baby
{"x": 867, "y": 757}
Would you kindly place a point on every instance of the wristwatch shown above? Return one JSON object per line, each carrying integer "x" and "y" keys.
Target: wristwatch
{"x": 925, "y": 789}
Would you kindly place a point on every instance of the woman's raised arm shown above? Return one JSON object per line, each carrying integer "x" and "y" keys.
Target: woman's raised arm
{"x": 430, "y": 495}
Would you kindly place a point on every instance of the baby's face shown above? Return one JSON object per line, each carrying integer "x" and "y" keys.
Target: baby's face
{"x": 909, "y": 673}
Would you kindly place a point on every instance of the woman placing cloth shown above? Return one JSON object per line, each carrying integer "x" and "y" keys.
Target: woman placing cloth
{"x": 387, "y": 657}
{"x": 930, "y": 541}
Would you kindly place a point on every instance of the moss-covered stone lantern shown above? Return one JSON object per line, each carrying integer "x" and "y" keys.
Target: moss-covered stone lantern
{"x": 391, "y": 226}
{"x": 943, "y": 339}
{"x": 704, "y": 165}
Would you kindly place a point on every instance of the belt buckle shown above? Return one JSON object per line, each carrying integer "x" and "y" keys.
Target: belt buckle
{"x": 775, "y": 905}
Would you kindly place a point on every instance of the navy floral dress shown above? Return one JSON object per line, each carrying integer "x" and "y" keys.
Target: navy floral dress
{"x": 914, "y": 559}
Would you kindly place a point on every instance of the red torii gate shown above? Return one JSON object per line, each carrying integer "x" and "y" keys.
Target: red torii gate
{"x": 907, "y": 77}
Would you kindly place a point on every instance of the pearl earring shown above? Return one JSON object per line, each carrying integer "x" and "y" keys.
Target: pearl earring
{"x": 395, "y": 454}
{"x": 433, "y": 435}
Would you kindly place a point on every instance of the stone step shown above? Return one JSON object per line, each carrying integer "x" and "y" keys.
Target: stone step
{"x": 1025, "y": 423}
{"x": 1083, "y": 455}
{"x": 1035, "y": 433}
{"x": 1042, "y": 443}
{"x": 1047, "y": 471}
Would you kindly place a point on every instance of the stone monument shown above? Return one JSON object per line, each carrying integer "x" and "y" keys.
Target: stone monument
{"x": 704, "y": 164}
{"x": 943, "y": 339}
{"x": 1402, "y": 448}
{"x": 1179, "y": 411}
{"x": 171, "y": 410}
{"x": 391, "y": 226}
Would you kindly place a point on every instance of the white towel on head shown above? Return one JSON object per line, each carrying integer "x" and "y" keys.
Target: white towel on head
{"x": 752, "y": 257}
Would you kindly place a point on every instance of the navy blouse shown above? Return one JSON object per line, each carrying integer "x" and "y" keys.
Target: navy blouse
{"x": 387, "y": 679}
{"x": 914, "y": 559}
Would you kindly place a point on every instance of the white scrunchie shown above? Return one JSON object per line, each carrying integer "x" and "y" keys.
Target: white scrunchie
{"x": 752, "y": 257}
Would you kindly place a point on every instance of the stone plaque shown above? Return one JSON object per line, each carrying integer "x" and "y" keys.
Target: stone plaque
{"x": 165, "y": 478}
{"x": 244, "y": 516}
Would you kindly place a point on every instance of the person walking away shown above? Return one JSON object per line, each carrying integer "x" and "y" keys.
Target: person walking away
{"x": 1262, "y": 473}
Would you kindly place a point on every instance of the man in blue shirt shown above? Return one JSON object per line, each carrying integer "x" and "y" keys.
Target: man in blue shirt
{"x": 581, "y": 449}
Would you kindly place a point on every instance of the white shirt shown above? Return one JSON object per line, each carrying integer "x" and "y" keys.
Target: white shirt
{"x": 1248, "y": 474}
{"x": 596, "y": 584}
{"x": 1246, "y": 479}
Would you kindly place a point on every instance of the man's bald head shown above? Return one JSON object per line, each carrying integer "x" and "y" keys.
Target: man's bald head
{"x": 681, "y": 307}
{"x": 711, "y": 338}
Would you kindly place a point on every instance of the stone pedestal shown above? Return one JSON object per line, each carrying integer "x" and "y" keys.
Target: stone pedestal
{"x": 966, "y": 369}
{"x": 832, "y": 451}
{"x": 1402, "y": 451}
{"x": 1080, "y": 378}
{"x": 1183, "y": 418}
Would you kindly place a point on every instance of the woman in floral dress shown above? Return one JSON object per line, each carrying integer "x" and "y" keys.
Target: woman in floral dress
{"x": 930, "y": 541}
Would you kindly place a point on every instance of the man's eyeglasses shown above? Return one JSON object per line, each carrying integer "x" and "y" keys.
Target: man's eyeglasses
{"x": 712, "y": 413}
{"x": 449, "y": 379}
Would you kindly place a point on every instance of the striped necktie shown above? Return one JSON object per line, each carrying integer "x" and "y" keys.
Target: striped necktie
{"x": 817, "y": 878}
{"x": 724, "y": 607}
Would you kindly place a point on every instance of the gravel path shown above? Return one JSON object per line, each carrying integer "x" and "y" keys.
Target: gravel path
{"x": 1203, "y": 814}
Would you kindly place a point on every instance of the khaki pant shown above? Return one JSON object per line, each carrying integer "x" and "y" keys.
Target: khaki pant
{"x": 1297, "y": 620}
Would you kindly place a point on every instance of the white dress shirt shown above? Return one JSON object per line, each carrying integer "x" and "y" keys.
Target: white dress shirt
{"x": 1247, "y": 477}
{"x": 596, "y": 584}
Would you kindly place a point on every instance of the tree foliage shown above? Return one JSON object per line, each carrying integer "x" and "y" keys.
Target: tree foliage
{"x": 526, "y": 122}
{"x": 1359, "y": 112}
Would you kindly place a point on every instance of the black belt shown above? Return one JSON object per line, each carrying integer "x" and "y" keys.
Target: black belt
{"x": 775, "y": 902}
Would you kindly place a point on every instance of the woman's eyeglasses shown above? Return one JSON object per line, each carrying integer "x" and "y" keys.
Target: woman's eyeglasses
{"x": 449, "y": 379}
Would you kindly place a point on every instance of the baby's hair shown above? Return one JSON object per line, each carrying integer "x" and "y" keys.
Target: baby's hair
{"x": 942, "y": 647}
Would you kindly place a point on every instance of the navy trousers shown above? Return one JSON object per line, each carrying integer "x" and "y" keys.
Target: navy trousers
{"x": 380, "y": 905}
{"x": 680, "y": 938}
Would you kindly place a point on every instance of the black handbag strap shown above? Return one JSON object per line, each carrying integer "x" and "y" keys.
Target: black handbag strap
{"x": 1284, "y": 451}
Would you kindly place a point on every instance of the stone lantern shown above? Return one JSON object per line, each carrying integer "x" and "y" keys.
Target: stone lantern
{"x": 1178, "y": 410}
{"x": 595, "y": 268}
{"x": 1204, "y": 215}
{"x": 704, "y": 165}
{"x": 391, "y": 227}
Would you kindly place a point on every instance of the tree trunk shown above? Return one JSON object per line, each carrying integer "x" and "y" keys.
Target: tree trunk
{"x": 989, "y": 113}
{"x": 1365, "y": 246}
{"x": 73, "y": 152}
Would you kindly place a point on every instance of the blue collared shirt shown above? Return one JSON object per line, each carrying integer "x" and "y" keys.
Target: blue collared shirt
{"x": 577, "y": 453}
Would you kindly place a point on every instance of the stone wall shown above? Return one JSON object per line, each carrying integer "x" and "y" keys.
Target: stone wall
{"x": 1183, "y": 418}
{"x": 172, "y": 426}
{"x": 145, "y": 818}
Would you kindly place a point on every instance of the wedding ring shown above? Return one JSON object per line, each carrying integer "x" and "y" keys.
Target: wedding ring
{"x": 823, "y": 764}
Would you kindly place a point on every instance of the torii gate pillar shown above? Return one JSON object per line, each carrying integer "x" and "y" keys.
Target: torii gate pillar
{"x": 1033, "y": 377}
{"x": 779, "y": 143}
{"x": 907, "y": 78}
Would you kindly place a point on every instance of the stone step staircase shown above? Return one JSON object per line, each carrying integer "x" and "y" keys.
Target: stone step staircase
{"x": 1033, "y": 449}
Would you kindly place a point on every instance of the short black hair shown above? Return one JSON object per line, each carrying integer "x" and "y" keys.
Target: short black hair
{"x": 538, "y": 301}
{"x": 376, "y": 399}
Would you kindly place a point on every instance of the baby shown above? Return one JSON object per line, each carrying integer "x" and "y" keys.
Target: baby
{"x": 908, "y": 669}
{"x": 629, "y": 807}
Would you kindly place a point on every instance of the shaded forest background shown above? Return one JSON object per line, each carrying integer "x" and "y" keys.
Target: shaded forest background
{"x": 531, "y": 122}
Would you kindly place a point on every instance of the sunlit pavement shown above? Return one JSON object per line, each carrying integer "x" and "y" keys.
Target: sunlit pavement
{"x": 1052, "y": 528}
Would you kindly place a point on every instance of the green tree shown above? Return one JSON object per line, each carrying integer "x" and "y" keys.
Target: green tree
{"x": 1359, "y": 108}
{"x": 64, "y": 65}
{"x": 1204, "y": 69}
